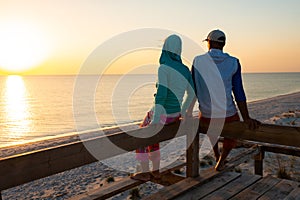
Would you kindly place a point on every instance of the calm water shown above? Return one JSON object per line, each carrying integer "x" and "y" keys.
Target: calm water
{"x": 37, "y": 106}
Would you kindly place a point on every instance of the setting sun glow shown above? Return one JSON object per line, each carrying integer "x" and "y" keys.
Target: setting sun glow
{"x": 22, "y": 47}
{"x": 16, "y": 107}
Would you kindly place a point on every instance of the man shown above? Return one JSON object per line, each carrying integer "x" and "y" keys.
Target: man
{"x": 216, "y": 76}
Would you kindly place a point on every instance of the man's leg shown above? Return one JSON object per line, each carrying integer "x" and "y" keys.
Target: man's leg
{"x": 228, "y": 145}
{"x": 216, "y": 151}
{"x": 214, "y": 141}
{"x": 221, "y": 162}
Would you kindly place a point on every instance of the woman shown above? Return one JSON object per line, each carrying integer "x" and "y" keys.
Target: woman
{"x": 174, "y": 79}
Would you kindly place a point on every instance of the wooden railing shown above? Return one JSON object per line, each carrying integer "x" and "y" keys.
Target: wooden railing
{"x": 259, "y": 157}
{"x": 18, "y": 169}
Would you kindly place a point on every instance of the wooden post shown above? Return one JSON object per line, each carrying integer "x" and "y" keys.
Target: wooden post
{"x": 192, "y": 154}
{"x": 258, "y": 161}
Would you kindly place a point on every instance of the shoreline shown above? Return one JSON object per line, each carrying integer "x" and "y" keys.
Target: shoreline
{"x": 267, "y": 108}
{"x": 257, "y": 109}
{"x": 275, "y": 97}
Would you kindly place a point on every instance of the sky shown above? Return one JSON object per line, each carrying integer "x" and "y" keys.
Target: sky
{"x": 59, "y": 36}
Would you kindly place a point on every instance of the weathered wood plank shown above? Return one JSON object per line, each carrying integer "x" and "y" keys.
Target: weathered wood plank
{"x": 19, "y": 169}
{"x": 294, "y": 195}
{"x": 209, "y": 187}
{"x": 192, "y": 155}
{"x": 121, "y": 186}
{"x": 282, "y": 150}
{"x": 243, "y": 156}
{"x": 258, "y": 161}
{"x": 166, "y": 172}
{"x": 184, "y": 186}
{"x": 170, "y": 192}
{"x": 168, "y": 179}
{"x": 173, "y": 166}
{"x": 109, "y": 191}
{"x": 274, "y": 134}
{"x": 176, "y": 189}
{"x": 233, "y": 188}
{"x": 280, "y": 190}
{"x": 258, "y": 189}
{"x": 192, "y": 152}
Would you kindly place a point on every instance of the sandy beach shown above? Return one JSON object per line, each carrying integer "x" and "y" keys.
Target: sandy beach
{"x": 283, "y": 110}
{"x": 77, "y": 78}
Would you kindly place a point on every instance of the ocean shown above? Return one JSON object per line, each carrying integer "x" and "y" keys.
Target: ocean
{"x": 34, "y": 107}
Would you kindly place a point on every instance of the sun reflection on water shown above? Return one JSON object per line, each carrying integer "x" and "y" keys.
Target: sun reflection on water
{"x": 17, "y": 112}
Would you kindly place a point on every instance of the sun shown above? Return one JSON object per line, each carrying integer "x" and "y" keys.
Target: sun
{"x": 22, "y": 46}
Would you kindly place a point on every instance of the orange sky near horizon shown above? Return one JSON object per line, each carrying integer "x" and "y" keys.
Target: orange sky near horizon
{"x": 56, "y": 37}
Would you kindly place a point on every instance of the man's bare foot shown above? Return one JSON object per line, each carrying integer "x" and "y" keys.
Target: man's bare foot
{"x": 217, "y": 158}
{"x": 220, "y": 166}
{"x": 156, "y": 174}
{"x": 144, "y": 176}
{"x": 226, "y": 161}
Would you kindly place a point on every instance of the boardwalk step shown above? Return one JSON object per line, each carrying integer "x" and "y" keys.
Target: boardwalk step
{"x": 126, "y": 184}
{"x": 172, "y": 191}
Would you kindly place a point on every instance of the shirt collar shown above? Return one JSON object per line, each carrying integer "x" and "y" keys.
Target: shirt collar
{"x": 216, "y": 51}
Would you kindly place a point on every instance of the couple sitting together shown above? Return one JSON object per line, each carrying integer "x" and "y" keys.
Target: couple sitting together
{"x": 214, "y": 97}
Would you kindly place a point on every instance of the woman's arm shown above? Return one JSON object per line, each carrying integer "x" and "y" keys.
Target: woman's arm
{"x": 188, "y": 105}
{"x": 161, "y": 94}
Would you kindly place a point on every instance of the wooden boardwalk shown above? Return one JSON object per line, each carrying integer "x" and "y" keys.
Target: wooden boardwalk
{"x": 231, "y": 185}
{"x": 22, "y": 168}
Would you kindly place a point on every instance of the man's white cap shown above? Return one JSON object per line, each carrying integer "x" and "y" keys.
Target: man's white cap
{"x": 216, "y": 35}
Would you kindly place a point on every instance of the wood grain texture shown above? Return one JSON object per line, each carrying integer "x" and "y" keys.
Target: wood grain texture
{"x": 22, "y": 168}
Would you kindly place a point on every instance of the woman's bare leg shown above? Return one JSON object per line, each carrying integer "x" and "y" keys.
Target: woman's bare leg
{"x": 144, "y": 175}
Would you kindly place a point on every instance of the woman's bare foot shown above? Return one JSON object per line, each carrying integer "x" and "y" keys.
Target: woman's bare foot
{"x": 156, "y": 174}
{"x": 144, "y": 176}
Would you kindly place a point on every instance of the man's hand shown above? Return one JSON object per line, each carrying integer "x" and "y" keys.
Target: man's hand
{"x": 252, "y": 123}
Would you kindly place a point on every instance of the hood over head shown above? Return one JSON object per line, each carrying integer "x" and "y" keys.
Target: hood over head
{"x": 171, "y": 50}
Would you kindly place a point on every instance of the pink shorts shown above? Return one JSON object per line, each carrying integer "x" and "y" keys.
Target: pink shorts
{"x": 152, "y": 152}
